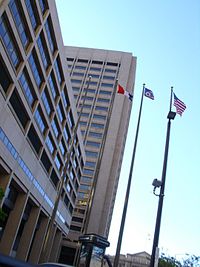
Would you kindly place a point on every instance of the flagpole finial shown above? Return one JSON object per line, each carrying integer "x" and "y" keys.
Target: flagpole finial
{"x": 144, "y": 84}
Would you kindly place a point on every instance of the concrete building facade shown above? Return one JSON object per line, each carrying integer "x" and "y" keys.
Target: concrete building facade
{"x": 37, "y": 118}
{"x": 104, "y": 124}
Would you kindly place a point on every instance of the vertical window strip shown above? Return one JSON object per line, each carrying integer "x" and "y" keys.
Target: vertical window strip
{"x": 42, "y": 52}
{"x": 26, "y": 89}
{"x": 49, "y": 35}
{"x": 35, "y": 71}
{"x": 19, "y": 23}
{"x": 31, "y": 13}
{"x": 8, "y": 43}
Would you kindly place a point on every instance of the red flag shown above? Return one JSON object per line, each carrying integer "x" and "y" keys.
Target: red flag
{"x": 121, "y": 90}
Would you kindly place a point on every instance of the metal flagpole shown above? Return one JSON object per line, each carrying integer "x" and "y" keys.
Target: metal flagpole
{"x": 171, "y": 116}
{"x": 49, "y": 234}
{"x": 116, "y": 260}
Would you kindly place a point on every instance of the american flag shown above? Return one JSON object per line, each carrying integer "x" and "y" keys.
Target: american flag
{"x": 180, "y": 106}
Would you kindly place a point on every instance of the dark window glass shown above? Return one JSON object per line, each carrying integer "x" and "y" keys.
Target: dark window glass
{"x": 43, "y": 5}
{"x": 34, "y": 139}
{"x": 110, "y": 71}
{"x": 32, "y": 11}
{"x": 80, "y": 67}
{"x": 40, "y": 120}
{"x": 99, "y": 117}
{"x": 19, "y": 21}
{"x": 5, "y": 79}
{"x": 65, "y": 98}
{"x": 92, "y": 143}
{"x": 48, "y": 26}
{"x": 97, "y": 125}
{"x": 54, "y": 178}
{"x": 53, "y": 86}
{"x": 9, "y": 44}
{"x": 19, "y": 109}
{"x": 35, "y": 70}
{"x": 45, "y": 160}
{"x": 91, "y": 154}
{"x": 97, "y": 62}
{"x": 96, "y": 135}
{"x": 101, "y": 108}
{"x": 82, "y": 60}
{"x": 58, "y": 71}
{"x": 103, "y": 92}
{"x": 43, "y": 51}
{"x": 47, "y": 102}
{"x": 27, "y": 88}
{"x": 50, "y": 143}
{"x": 112, "y": 64}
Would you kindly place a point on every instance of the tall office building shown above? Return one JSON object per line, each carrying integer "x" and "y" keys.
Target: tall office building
{"x": 104, "y": 124}
{"x": 37, "y": 118}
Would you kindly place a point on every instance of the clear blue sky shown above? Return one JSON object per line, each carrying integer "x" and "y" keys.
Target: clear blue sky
{"x": 165, "y": 38}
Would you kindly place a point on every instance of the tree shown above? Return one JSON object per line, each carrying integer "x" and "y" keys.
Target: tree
{"x": 188, "y": 261}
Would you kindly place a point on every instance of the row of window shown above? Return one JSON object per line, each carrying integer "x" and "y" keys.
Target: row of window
{"x": 96, "y": 62}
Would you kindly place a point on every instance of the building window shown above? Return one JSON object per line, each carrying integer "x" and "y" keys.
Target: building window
{"x": 110, "y": 70}
{"x": 97, "y": 125}
{"x": 72, "y": 175}
{"x": 19, "y": 108}
{"x": 103, "y": 100}
{"x": 40, "y": 120}
{"x": 22, "y": 30}
{"x": 70, "y": 119}
{"x": 66, "y": 133}
{"x": 108, "y": 77}
{"x": 46, "y": 161}
{"x": 57, "y": 161}
{"x": 48, "y": 26}
{"x": 88, "y": 172}
{"x": 62, "y": 147}
{"x": 103, "y": 92}
{"x": 65, "y": 97}
{"x": 99, "y": 117}
{"x": 60, "y": 112}
{"x": 47, "y": 102}
{"x": 54, "y": 178}
{"x": 43, "y": 5}
{"x": 96, "y": 135}
{"x": 5, "y": 79}
{"x": 43, "y": 52}
{"x": 35, "y": 70}
{"x": 90, "y": 164}
{"x": 32, "y": 11}
{"x": 27, "y": 88}
{"x": 110, "y": 85}
{"x": 91, "y": 154}
{"x": 34, "y": 139}
{"x": 50, "y": 143}
{"x": 95, "y": 69}
{"x": 55, "y": 127}
{"x": 101, "y": 108}
{"x": 58, "y": 71}
{"x": 53, "y": 86}
{"x": 77, "y": 67}
{"x": 93, "y": 144}
{"x": 9, "y": 43}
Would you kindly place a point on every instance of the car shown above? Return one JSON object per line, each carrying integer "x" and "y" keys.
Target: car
{"x": 54, "y": 264}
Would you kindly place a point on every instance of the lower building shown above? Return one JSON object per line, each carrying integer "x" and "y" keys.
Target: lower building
{"x": 140, "y": 259}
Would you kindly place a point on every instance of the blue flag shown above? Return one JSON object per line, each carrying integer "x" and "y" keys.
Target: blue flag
{"x": 148, "y": 93}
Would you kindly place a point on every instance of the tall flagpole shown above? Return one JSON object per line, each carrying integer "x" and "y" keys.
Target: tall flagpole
{"x": 116, "y": 260}
{"x": 49, "y": 233}
{"x": 154, "y": 254}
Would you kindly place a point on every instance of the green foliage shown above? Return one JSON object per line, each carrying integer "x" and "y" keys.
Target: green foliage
{"x": 187, "y": 261}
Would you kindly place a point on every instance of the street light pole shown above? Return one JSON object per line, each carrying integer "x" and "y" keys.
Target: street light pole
{"x": 171, "y": 116}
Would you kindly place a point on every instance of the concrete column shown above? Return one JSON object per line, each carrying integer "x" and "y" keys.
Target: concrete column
{"x": 13, "y": 224}
{"x": 26, "y": 238}
{"x": 38, "y": 241}
{"x": 46, "y": 257}
{"x": 56, "y": 246}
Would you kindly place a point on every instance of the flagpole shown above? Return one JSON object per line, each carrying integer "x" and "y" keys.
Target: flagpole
{"x": 49, "y": 233}
{"x": 171, "y": 116}
{"x": 116, "y": 260}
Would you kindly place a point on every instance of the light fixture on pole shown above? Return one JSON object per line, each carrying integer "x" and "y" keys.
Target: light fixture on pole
{"x": 161, "y": 185}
